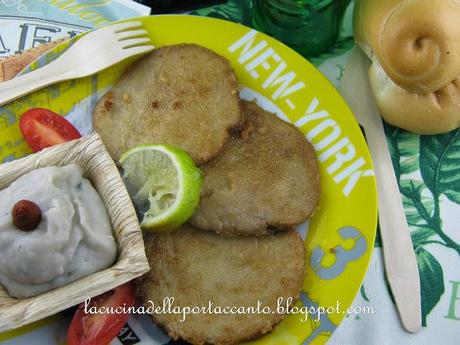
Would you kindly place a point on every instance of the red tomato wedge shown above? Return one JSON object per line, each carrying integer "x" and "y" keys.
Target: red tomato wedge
{"x": 43, "y": 128}
{"x": 101, "y": 328}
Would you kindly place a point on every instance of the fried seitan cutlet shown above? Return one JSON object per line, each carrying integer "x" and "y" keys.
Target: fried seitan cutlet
{"x": 184, "y": 95}
{"x": 196, "y": 267}
{"x": 267, "y": 176}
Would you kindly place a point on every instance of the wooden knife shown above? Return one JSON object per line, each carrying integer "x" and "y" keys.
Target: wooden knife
{"x": 398, "y": 253}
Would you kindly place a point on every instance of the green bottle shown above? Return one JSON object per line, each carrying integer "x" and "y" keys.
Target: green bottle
{"x": 168, "y": 6}
{"x": 310, "y": 27}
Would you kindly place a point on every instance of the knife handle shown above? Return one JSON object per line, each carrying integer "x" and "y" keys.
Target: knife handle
{"x": 398, "y": 252}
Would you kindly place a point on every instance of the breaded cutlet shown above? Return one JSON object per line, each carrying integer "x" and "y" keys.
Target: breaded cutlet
{"x": 183, "y": 95}
{"x": 196, "y": 267}
{"x": 267, "y": 176}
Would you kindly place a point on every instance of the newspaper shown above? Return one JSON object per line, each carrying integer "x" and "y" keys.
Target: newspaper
{"x": 26, "y": 24}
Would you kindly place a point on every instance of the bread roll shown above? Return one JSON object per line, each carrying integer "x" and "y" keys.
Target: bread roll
{"x": 431, "y": 113}
{"x": 415, "y": 49}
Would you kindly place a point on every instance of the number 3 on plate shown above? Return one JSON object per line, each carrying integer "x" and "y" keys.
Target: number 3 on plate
{"x": 343, "y": 256}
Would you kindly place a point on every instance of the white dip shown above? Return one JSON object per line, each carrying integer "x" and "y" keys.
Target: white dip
{"x": 73, "y": 239}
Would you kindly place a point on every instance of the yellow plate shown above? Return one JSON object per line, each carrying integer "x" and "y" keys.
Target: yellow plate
{"x": 341, "y": 235}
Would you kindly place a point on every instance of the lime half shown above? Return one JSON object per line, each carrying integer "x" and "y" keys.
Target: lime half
{"x": 163, "y": 183}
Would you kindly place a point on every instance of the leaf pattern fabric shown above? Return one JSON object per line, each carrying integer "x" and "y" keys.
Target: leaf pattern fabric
{"x": 432, "y": 280}
{"x": 439, "y": 164}
{"x": 427, "y": 167}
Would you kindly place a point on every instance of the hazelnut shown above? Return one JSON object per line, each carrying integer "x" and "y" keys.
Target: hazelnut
{"x": 26, "y": 215}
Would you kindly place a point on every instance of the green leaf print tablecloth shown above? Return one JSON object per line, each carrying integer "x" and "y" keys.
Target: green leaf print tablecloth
{"x": 428, "y": 171}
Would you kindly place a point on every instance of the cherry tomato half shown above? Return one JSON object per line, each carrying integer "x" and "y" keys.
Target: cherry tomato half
{"x": 43, "y": 128}
{"x": 101, "y": 328}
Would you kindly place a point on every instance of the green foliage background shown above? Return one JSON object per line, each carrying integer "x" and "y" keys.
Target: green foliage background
{"x": 428, "y": 170}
